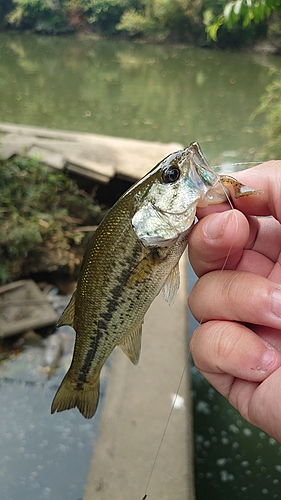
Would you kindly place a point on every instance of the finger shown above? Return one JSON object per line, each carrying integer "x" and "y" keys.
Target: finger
{"x": 267, "y": 240}
{"x": 265, "y": 177}
{"x": 223, "y": 350}
{"x": 216, "y": 237}
{"x": 207, "y": 253}
{"x": 259, "y": 403}
{"x": 271, "y": 335}
{"x": 242, "y": 367}
{"x": 236, "y": 296}
{"x": 264, "y": 404}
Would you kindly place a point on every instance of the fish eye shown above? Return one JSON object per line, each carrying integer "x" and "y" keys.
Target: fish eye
{"x": 171, "y": 174}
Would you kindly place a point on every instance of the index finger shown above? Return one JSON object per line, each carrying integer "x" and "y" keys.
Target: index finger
{"x": 267, "y": 178}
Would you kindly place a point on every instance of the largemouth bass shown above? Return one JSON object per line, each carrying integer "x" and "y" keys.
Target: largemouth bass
{"x": 134, "y": 254}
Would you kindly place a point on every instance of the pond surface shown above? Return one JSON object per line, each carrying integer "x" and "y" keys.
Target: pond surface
{"x": 233, "y": 459}
{"x": 152, "y": 92}
{"x": 157, "y": 93}
{"x": 42, "y": 456}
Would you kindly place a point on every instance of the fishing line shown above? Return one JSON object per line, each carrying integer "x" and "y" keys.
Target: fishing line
{"x": 188, "y": 354}
{"x": 165, "y": 429}
{"x": 238, "y": 164}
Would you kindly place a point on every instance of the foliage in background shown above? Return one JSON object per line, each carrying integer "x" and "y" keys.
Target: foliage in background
{"x": 40, "y": 15}
{"x": 177, "y": 20}
{"x": 240, "y": 13}
{"x": 5, "y": 8}
{"x": 59, "y": 16}
{"x": 270, "y": 106}
{"x": 39, "y": 214}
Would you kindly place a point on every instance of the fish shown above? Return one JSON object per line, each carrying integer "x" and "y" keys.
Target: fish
{"x": 133, "y": 255}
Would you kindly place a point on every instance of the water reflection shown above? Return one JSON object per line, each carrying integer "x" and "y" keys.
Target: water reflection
{"x": 142, "y": 91}
{"x": 42, "y": 456}
{"x": 233, "y": 459}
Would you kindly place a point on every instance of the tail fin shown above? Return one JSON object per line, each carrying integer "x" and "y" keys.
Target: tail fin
{"x": 70, "y": 395}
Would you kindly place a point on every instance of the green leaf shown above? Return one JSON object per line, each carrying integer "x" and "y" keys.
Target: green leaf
{"x": 228, "y": 9}
{"x": 238, "y": 7}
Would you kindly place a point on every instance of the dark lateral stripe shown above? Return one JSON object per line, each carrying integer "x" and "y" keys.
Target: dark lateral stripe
{"x": 105, "y": 316}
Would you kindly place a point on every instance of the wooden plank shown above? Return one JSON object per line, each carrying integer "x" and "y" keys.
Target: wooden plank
{"x": 87, "y": 172}
{"x": 51, "y": 158}
{"x": 94, "y": 156}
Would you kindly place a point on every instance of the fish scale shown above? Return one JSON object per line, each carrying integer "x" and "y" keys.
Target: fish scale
{"x": 133, "y": 254}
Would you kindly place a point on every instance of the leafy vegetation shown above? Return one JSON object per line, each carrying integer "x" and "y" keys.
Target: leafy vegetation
{"x": 178, "y": 20}
{"x": 241, "y": 13}
{"x": 41, "y": 210}
{"x": 270, "y": 106}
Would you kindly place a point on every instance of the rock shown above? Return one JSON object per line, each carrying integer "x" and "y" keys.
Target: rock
{"x": 23, "y": 307}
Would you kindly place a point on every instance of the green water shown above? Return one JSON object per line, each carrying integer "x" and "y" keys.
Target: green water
{"x": 152, "y": 92}
{"x": 234, "y": 460}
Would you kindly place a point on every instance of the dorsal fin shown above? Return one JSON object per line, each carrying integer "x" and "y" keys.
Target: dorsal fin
{"x": 67, "y": 317}
{"x": 131, "y": 345}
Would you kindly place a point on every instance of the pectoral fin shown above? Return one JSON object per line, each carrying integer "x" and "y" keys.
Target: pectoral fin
{"x": 146, "y": 265}
{"x": 131, "y": 345}
{"x": 67, "y": 317}
{"x": 172, "y": 285}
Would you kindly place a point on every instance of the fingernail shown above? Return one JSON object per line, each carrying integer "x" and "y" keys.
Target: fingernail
{"x": 276, "y": 302}
{"x": 268, "y": 359}
{"x": 214, "y": 227}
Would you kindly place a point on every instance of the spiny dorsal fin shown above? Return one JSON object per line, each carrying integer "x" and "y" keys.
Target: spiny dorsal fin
{"x": 67, "y": 317}
{"x": 172, "y": 285}
{"x": 131, "y": 345}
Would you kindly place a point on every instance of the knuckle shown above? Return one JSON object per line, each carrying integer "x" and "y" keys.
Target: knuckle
{"x": 233, "y": 291}
{"x": 226, "y": 343}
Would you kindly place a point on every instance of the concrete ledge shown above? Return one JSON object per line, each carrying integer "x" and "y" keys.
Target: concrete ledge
{"x": 134, "y": 414}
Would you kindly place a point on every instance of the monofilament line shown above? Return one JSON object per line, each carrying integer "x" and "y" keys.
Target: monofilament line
{"x": 165, "y": 430}
{"x": 182, "y": 375}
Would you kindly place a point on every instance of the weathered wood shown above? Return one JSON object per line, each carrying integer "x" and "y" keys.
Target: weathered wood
{"x": 97, "y": 157}
{"x": 51, "y": 158}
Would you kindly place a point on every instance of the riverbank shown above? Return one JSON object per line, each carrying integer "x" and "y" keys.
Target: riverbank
{"x": 96, "y": 157}
{"x": 170, "y": 21}
{"x": 138, "y": 400}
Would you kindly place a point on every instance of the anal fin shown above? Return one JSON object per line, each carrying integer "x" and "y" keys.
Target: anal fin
{"x": 131, "y": 344}
{"x": 67, "y": 317}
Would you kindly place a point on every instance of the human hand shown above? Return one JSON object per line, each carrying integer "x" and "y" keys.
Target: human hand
{"x": 237, "y": 346}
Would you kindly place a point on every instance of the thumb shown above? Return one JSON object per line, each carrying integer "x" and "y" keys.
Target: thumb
{"x": 217, "y": 241}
